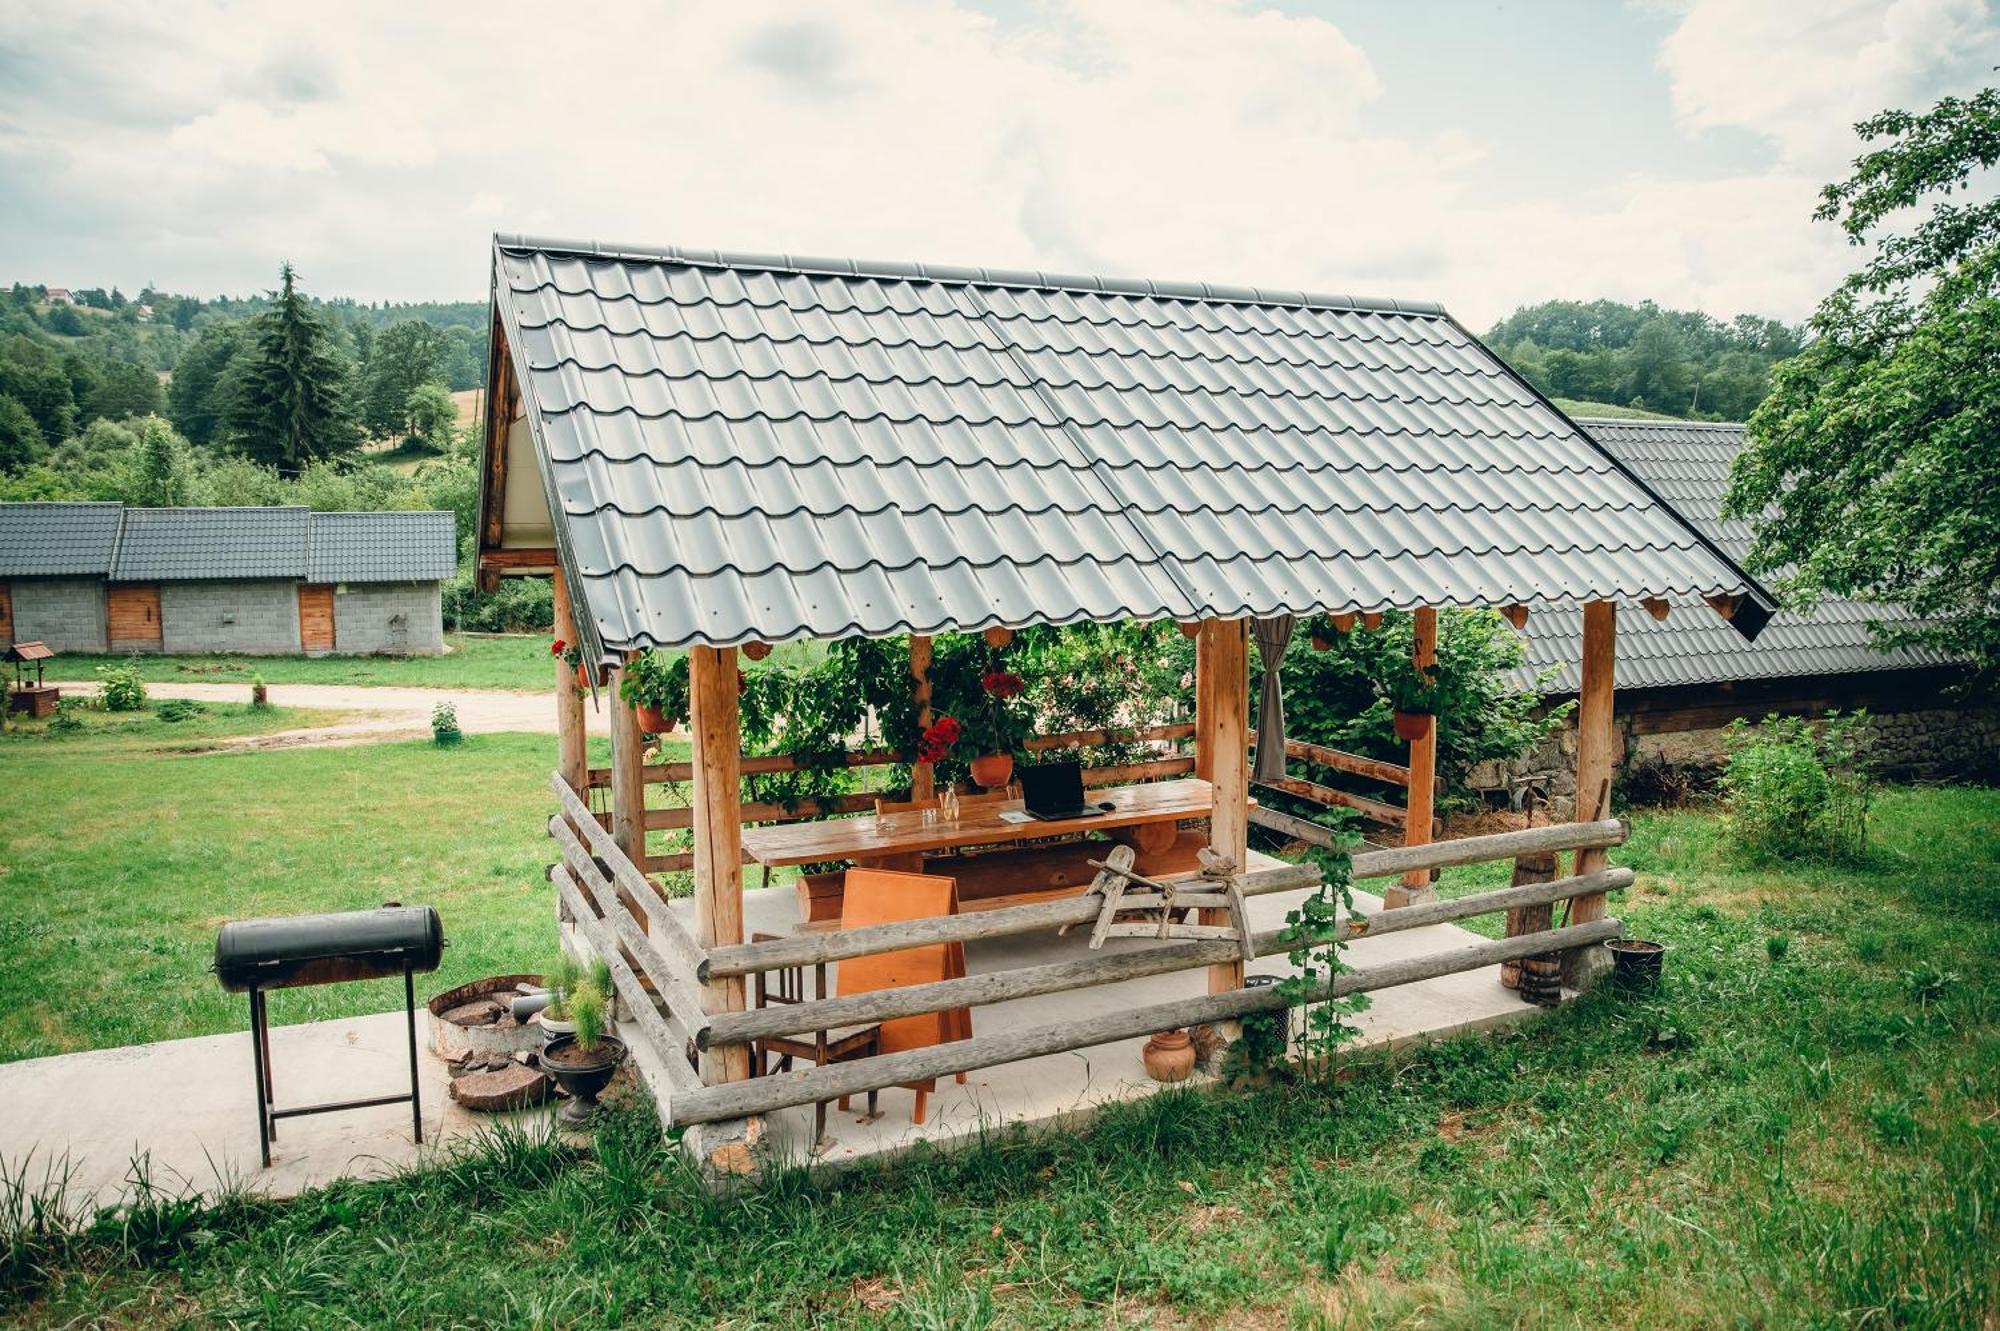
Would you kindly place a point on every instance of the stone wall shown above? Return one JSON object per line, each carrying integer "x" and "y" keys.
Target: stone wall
{"x": 1932, "y": 743}
{"x": 258, "y": 618}
{"x": 65, "y": 613}
{"x": 396, "y": 618}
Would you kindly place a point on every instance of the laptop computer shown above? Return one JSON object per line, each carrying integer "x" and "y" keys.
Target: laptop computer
{"x": 1053, "y": 792}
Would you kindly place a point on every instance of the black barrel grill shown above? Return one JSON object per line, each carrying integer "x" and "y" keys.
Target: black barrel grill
{"x": 291, "y": 952}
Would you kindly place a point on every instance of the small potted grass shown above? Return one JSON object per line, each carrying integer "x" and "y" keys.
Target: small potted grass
{"x": 584, "y": 1062}
{"x": 561, "y": 980}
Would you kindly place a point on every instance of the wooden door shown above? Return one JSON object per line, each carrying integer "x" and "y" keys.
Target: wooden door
{"x": 6, "y": 614}
{"x": 316, "y": 617}
{"x": 132, "y": 616}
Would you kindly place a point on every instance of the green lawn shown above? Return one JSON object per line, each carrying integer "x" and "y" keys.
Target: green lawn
{"x": 1802, "y": 1129}
{"x": 474, "y": 661}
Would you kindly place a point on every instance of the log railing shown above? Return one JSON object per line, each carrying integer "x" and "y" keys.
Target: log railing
{"x": 1354, "y": 764}
{"x": 661, "y": 971}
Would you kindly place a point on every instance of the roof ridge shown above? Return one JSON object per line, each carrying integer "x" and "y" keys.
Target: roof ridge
{"x": 1629, "y": 423}
{"x": 961, "y": 275}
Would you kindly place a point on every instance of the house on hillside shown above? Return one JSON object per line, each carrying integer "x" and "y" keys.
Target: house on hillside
{"x": 93, "y": 577}
{"x": 59, "y": 296}
{"x": 1683, "y": 675}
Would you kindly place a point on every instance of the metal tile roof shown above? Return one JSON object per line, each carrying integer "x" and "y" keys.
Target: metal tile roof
{"x": 744, "y": 447}
{"x": 57, "y": 540}
{"x": 381, "y": 547}
{"x": 179, "y": 544}
{"x": 1687, "y": 462}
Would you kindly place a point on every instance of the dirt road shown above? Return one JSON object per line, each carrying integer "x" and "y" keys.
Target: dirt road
{"x": 379, "y": 713}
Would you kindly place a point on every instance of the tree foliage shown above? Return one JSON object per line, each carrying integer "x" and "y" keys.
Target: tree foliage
{"x": 1871, "y": 470}
{"x": 400, "y": 360}
{"x": 198, "y": 398}
{"x": 291, "y": 406}
{"x": 1675, "y": 362}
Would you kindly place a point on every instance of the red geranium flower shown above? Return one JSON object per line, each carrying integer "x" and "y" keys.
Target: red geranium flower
{"x": 936, "y": 741}
{"x": 556, "y": 647}
{"x": 1002, "y": 683}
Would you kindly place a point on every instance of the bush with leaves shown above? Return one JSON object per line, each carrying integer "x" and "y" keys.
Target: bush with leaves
{"x": 1797, "y": 790}
{"x": 123, "y": 689}
{"x": 444, "y": 725}
{"x": 176, "y": 710}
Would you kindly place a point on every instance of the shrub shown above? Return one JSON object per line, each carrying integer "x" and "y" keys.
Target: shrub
{"x": 1797, "y": 790}
{"x": 518, "y": 605}
{"x": 260, "y": 693}
{"x": 68, "y": 719}
{"x": 176, "y": 710}
{"x": 124, "y": 690}
{"x": 444, "y": 725}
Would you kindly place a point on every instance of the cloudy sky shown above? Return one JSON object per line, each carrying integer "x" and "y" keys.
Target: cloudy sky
{"x": 1479, "y": 153}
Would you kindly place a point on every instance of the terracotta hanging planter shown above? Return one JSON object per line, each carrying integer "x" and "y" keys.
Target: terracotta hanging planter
{"x": 582, "y": 675}
{"x": 1169, "y": 1056}
{"x": 1410, "y": 726}
{"x": 652, "y": 720}
{"x": 993, "y": 770}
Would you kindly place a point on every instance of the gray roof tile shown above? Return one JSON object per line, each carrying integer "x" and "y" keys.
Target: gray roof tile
{"x": 741, "y": 447}
{"x": 181, "y": 544}
{"x": 1687, "y": 462}
{"x": 381, "y": 547}
{"x": 57, "y": 540}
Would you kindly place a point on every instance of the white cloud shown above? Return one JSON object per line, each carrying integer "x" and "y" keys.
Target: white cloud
{"x": 379, "y": 143}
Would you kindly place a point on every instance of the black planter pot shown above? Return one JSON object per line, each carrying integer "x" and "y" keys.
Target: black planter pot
{"x": 1636, "y": 963}
{"x": 583, "y": 1081}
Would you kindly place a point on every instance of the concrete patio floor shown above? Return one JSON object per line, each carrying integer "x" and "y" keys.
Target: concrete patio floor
{"x": 188, "y": 1106}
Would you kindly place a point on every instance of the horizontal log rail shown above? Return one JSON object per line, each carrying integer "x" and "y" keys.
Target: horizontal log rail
{"x": 760, "y": 1095}
{"x": 670, "y": 1037}
{"x": 1115, "y": 968}
{"x": 810, "y": 949}
{"x": 1374, "y": 810}
{"x": 1394, "y": 861}
{"x": 765, "y": 764}
{"x": 678, "y": 992}
{"x": 1319, "y": 755}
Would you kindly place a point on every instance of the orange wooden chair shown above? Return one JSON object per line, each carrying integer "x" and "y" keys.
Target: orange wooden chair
{"x": 886, "y": 896}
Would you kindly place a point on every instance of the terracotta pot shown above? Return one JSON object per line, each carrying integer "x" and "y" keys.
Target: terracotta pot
{"x": 1321, "y": 643}
{"x": 582, "y": 675}
{"x": 1169, "y": 1056}
{"x": 1411, "y": 726}
{"x": 652, "y": 720}
{"x": 993, "y": 770}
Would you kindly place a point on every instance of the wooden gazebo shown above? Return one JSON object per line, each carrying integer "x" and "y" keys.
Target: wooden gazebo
{"x": 713, "y": 453}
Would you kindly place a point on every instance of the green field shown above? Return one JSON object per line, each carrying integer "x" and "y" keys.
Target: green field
{"x": 1801, "y": 1130}
{"x": 473, "y": 661}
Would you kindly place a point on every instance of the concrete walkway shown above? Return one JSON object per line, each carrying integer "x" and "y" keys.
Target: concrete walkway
{"x": 380, "y": 714}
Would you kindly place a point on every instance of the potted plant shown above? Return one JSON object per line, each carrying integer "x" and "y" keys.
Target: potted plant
{"x": 571, "y": 655}
{"x": 995, "y": 726}
{"x": 560, "y": 980}
{"x": 655, "y": 685}
{"x": 583, "y": 1063}
{"x": 444, "y": 725}
{"x": 1413, "y": 697}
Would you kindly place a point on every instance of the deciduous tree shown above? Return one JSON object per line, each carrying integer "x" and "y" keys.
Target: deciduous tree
{"x": 1872, "y": 469}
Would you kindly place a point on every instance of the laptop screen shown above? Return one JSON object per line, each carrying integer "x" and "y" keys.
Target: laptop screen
{"x": 1050, "y": 787}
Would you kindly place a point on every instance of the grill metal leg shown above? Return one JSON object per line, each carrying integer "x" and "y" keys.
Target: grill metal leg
{"x": 259, "y": 1056}
{"x": 410, "y": 1011}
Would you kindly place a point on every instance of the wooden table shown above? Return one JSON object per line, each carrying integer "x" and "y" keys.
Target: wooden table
{"x": 888, "y": 836}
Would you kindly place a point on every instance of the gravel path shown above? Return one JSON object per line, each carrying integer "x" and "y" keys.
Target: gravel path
{"x": 380, "y": 714}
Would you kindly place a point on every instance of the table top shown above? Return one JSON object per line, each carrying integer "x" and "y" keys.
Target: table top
{"x": 876, "y": 836}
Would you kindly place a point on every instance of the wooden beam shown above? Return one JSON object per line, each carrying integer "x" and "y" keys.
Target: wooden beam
{"x": 1222, "y": 747}
{"x": 572, "y": 755}
{"x": 628, "y": 782}
{"x": 1416, "y": 884}
{"x": 1657, "y": 607}
{"x": 1596, "y": 761}
{"x": 499, "y": 382}
{"x": 662, "y": 923}
{"x": 804, "y": 1086}
{"x": 1393, "y": 861}
{"x": 1389, "y": 774}
{"x": 923, "y": 778}
{"x": 1724, "y": 605}
{"x": 521, "y": 563}
{"x": 718, "y": 830}
{"x": 1386, "y": 814}
{"x": 1517, "y": 615}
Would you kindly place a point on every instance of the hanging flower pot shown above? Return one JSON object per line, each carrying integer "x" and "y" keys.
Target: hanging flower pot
{"x": 582, "y": 675}
{"x": 652, "y": 720}
{"x": 1411, "y": 726}
{"x": 993, "y": 770}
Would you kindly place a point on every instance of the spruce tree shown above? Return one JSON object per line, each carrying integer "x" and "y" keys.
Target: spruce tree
{"x": 290, "y": 405}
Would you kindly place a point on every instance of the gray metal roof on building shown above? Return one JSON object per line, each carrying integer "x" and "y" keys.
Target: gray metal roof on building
{"x": 221, "y": 544}
{"x": 742, "y": 447}
{"x": 381, "y": 547}
{"x": 181, "y": 544}
{"x": 57, "y": 540}
{"x": 1687, "y": 462}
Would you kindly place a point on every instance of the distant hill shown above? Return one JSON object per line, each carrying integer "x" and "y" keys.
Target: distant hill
{"x": 1578, "y": 407}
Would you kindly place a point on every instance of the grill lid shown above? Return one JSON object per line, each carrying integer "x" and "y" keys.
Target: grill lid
{"x": 295, "y": 950}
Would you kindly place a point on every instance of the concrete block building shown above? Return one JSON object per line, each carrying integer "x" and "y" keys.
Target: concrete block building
{"x": 90, "y": 577}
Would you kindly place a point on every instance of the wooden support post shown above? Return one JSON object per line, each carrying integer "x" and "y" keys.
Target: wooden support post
{"x": 1222, "y": 754}
{"x": 1421, "y": 806}
{"x": 628, "y": 776}
{"x": 572, "y": 755}
{"x": 923, "y": 777}
{"x": 1596, "y": 761}
{"x": 718, "y": 830}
